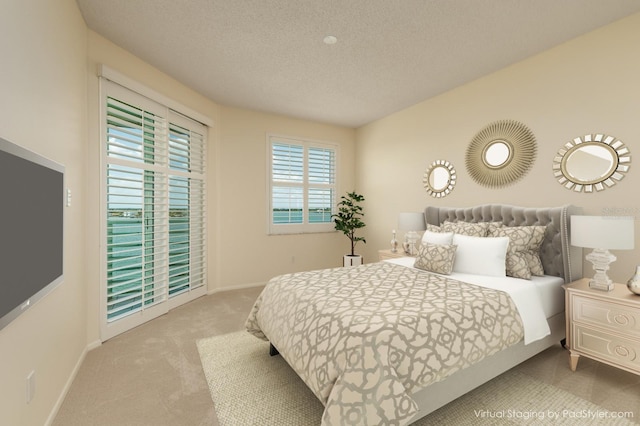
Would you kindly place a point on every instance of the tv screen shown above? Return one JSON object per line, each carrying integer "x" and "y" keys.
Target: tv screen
{"x": 31, "y": 228}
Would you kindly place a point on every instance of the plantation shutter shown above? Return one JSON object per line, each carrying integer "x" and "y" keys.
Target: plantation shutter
{"x": 302, "y": 185}
{"x": 186, "y": 206}
{"x": 288, "y": 181}
{"x": 155, "y": 209}
{"x": 321, "y": 185}
{"x": 136, "y": 208}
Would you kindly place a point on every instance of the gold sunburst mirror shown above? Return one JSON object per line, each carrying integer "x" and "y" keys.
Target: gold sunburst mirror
{"x": 439, "y": 179}
{"x": 501, "y": 153}
{"x": 591, "y": 162}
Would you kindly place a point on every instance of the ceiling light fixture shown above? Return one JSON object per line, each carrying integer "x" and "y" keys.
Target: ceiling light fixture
{"x": 330, "y": 39}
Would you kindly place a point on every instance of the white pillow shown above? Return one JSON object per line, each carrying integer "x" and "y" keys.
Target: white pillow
{"x": 442, "y": 238}
{"x": 481, "y": 255}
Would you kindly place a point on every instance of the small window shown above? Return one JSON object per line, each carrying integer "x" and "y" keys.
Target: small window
{"x": 302, "y": 185}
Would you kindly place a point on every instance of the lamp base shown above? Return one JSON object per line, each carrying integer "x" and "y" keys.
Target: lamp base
{"x": 601, "y": 286}
{"x": 601, "y": 258}
{"x": 409, "y": 245}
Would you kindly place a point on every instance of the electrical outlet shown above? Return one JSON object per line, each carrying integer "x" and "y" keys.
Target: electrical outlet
{"x": 31, "y": 386}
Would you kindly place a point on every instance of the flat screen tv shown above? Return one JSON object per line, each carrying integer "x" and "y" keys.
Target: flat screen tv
{"x": 31, "y": 229}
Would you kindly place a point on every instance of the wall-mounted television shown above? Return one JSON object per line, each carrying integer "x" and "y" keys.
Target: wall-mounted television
{"x": 31, "y": 229}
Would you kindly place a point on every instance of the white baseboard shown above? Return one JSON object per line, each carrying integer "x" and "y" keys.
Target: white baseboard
{"x": 236, "y": 287}
{"x": 93, "y": 345}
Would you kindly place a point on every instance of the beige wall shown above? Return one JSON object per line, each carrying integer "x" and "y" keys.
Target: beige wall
{"x": 247, "y": 255}
{"x": 588, "y": 85}
{"x": 43, "y": 108}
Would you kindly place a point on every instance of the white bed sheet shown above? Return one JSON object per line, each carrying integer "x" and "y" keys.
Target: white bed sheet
{"x": 551, "y": 294}
{"x": 536, "y": 299}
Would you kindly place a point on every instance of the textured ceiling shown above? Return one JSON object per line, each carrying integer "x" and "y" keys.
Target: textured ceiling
{"x": 268, "y": 55}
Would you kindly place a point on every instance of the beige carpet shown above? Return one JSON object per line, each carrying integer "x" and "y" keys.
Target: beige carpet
{"x": 249, "y": 387}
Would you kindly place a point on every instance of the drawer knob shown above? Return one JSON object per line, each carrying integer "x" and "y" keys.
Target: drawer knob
{"x": 622, "y": 351}
{"x": 621, "y": 319}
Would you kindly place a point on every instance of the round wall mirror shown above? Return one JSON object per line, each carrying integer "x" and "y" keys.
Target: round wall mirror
{"x": 439, "y": 178}
{"x": 501, "y": 153}
{"x": 497, "y": 154}
{"x": 591, "y": 162}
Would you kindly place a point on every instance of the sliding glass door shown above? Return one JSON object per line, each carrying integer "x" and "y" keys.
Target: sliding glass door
{"x": 154, "y": 209}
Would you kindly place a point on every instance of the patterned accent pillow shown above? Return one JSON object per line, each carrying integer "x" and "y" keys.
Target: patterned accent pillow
{"x": 436, "y": 258}
{"x": 467, "y": 228}
{"x": 493, "y": 227}
{"x": 523, "y": 255}
{"x": 433, "y": 228}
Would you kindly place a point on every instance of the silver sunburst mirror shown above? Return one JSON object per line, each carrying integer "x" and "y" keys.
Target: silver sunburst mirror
{"x": 501, "y": 153}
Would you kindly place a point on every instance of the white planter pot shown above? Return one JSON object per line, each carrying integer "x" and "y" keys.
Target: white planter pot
{"x": 354, "y": 260}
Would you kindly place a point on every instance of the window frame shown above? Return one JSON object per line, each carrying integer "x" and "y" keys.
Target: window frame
{"x": 305, "y": 227}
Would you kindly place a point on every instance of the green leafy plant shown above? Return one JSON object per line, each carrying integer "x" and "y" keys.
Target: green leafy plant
{"x": 349, "y": 218}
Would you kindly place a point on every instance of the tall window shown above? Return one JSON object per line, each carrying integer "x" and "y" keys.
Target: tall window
{"x": 302, "y": 185}
{"x": 154, "y": 207}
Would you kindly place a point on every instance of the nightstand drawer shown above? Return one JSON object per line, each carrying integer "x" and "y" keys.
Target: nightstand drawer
{"x": 604, "y": 314}
{"x": 606, "y": 346}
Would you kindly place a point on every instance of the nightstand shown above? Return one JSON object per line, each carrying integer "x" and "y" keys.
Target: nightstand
{"x": 603, "y": 325}
{"x": 387, "y": 254}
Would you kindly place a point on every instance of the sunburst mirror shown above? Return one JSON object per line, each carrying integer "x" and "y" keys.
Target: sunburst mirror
{"x": 501, "y": 153}
{"x": 439, "y": 179}
{"x": 591, "y": 162}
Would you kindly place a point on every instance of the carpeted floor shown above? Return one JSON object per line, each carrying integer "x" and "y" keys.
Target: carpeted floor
{"x": 249, "y": 387}
{"x": 152, "y": 375}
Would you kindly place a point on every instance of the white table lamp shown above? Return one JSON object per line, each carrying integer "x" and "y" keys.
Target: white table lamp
{"x": 410, "y": 223}
{"x": 602, "y": 233}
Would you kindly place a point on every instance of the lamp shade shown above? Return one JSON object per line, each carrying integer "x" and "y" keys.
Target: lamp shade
{"x": 411, "y": 222}
{"x": 603, "y": 232}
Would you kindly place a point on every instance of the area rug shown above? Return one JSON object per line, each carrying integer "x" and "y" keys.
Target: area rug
{"x": 249, "y": 387}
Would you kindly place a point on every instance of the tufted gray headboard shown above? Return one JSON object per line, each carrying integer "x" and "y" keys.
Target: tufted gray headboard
{"x": 558, "y": 257}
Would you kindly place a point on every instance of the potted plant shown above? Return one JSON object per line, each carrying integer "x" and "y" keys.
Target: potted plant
{"x": 348, "y": 220}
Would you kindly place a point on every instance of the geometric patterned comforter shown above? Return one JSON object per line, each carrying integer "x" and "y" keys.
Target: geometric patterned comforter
{"x": 364, "y": 338}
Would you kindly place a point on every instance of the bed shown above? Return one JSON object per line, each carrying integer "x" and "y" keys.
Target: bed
{"x": 388, "y": 343}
